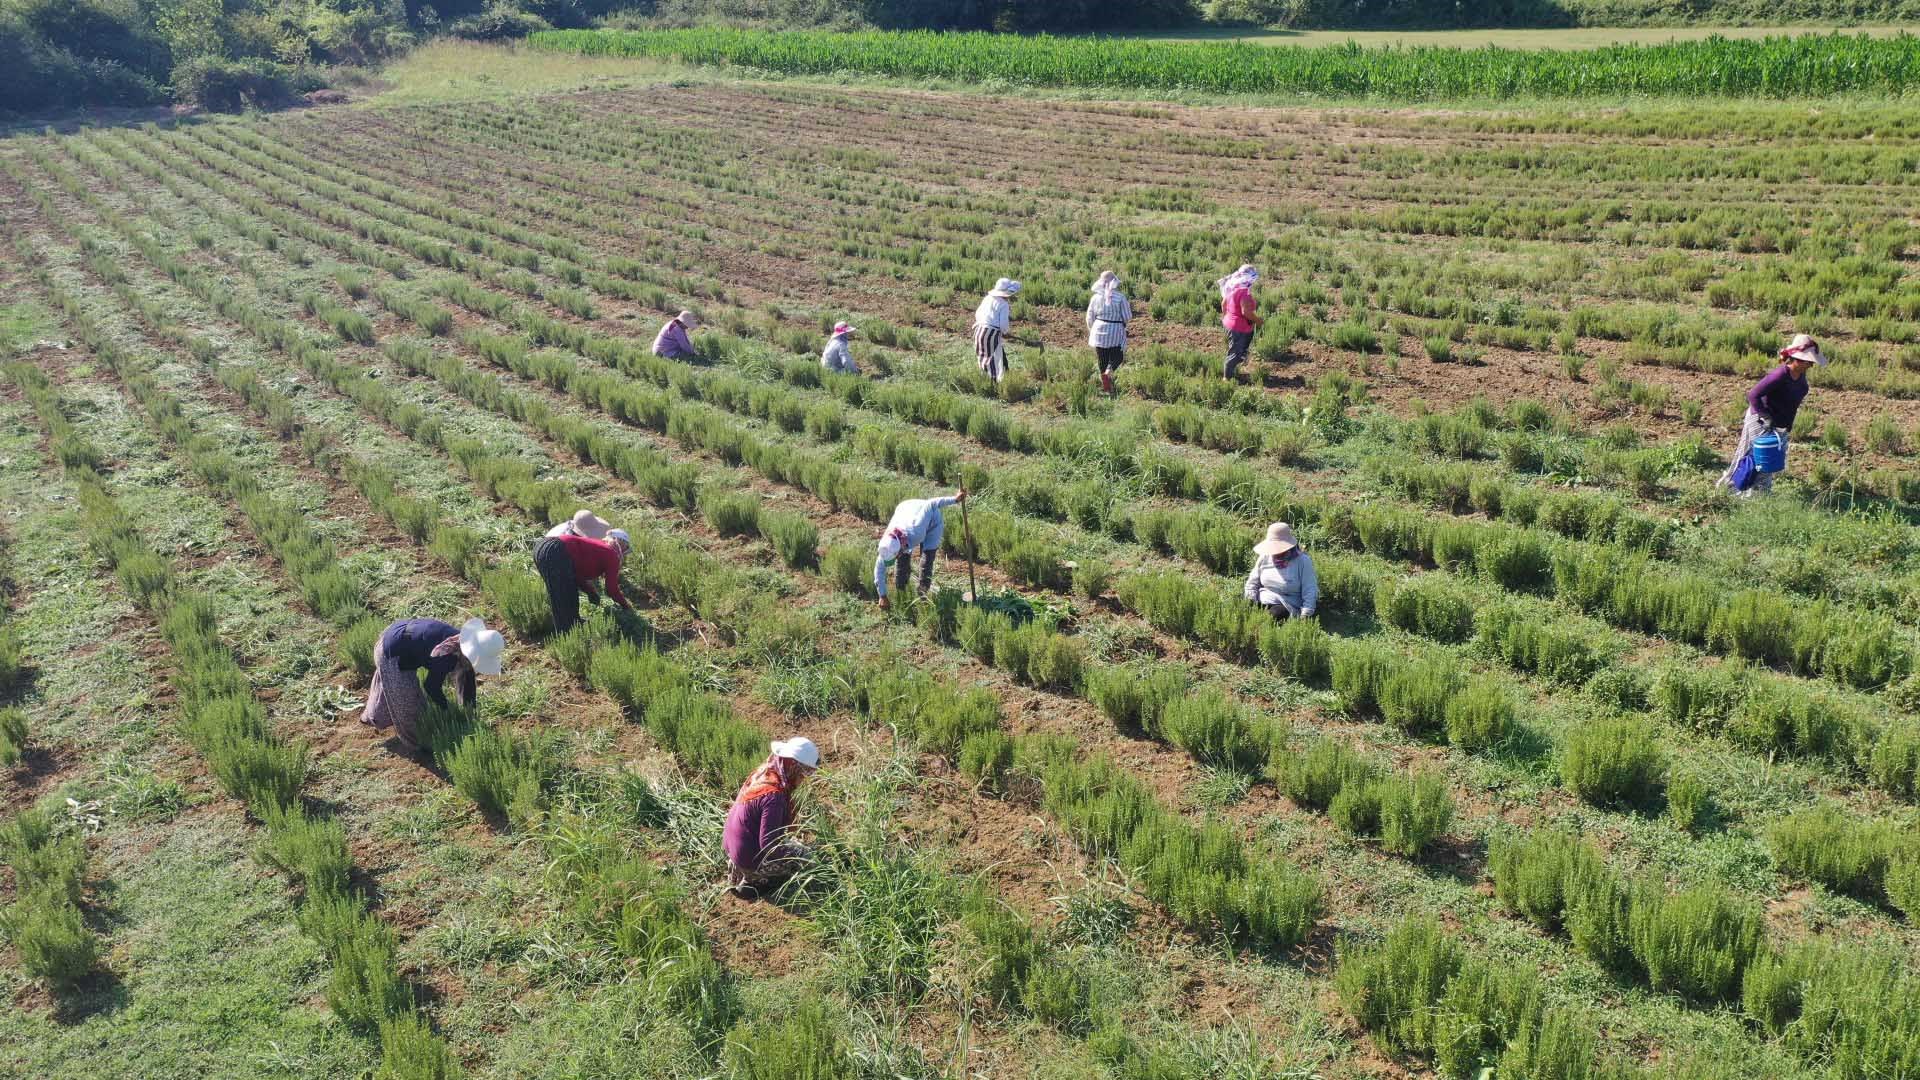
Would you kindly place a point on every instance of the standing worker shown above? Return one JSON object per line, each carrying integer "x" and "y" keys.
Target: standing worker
{"x": 916, "y": 523}
{"x": 569, "y": 565}
{"x": 409, "y": 646}
{"x": 991, "y": 321}
{"x": 761, "y": 852}
{"x": 1283, "y": 579}
{"x": 583, "y": 523}
{"x": 1240, "y": 314}
{"x": 1772, "y": 405}
{"x": 1107, "y": 316}
{"x": 836, "y": 356}
{"x": 673, "y": 341}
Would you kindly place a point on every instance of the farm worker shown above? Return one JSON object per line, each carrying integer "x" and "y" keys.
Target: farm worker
{"x": 569, "y": 565}
{"x": 916, "y": 523}
{"x": 990, "y": 322}
{"x": 836, "y": 356}
{"x": 442, "y": 650}
{"x": 1772, "y": 405}
{"x": 583, "y": 523}
{"x": 1239, "y": 313}
{"x": 1107, "y": 316}
{"x": 672, "y": 342}
{"x": 760, "y": 852}
{"x": 1283, "y": 579}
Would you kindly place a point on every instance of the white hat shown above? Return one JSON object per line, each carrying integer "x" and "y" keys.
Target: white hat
{"x": 1279, "y": 540}
{"x": 619, "y": 536}
{"x": 589, "y": 524}
{"x": 1004, "y": 288}
{"x": 1804, "y": 349}
{"x": 482, "y": 647}
{"x": 688, "y": 319}
{"x": 800, "y": 749}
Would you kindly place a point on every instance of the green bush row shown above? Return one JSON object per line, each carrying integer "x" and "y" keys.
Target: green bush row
{"x": 45, "y": 923}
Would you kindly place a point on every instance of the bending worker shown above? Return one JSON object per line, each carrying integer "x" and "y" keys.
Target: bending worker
{"x": 1283, "y": 579}
{"x": 761, "y": 851}
{"x": 916, "y": 523}
{"x": 398, "y": 697}
{"x": 672, "y": 342}
{"x": 569, "y": 566}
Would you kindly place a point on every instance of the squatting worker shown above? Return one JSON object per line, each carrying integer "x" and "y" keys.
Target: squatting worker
{"x": 1773, "y": 403}
{"x": 916, "y": 523}
{"x": 1283, "y": 579}
{"x": 583, "y": 523}
{"x": 1240, "y": 314}
{"x": 410, "y": 646}
{"x": 1107, "y": 316}
{"x": 761, "y": 852}
{"x": 673, "y": 341}
{"x": 991, "y": 320}
{"x": 836, "y": 356}
{"x": 569, "y": 565}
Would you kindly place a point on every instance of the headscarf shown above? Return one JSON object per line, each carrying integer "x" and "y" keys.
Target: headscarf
{"x": 463, "y": 674}
{"x": 777, "y": 774}
{"x": 1106, "y": 285}
{"x": 1240, "y": 279}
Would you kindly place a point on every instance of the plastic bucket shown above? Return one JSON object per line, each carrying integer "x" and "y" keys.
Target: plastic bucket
{"x": 1769, "y": 452}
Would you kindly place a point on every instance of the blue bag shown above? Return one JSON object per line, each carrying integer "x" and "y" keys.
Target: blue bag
{"x": 1744, "y": 473}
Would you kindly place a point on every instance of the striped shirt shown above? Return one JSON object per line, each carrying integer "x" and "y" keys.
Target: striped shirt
{"x": 1107, "y": 316}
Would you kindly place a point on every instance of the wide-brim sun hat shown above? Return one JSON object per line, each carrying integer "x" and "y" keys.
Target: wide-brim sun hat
{"x": 590, "y": 525}
{"x": 688, "y": 319}
{"x": 482, "y": 647}
{"x": 841, "y": 329}
{"x": 1805, "y": 349}
{"x": 1005, "y": 288}
{"x": 1279, "y": 540}
{"x": 800, "y": 749}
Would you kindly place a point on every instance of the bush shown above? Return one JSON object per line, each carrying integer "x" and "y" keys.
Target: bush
{"x": 1479, "y": 715}
{"x": 731, "y": 513}
{"x": 1426, "y": 606}
{"x": 12, "y": 658}
{"x": 1298, "y": 648}
{"x": 1357, "y": 807}
{"x": 52, "y": 938}
{"x": 1317, "y": 776}
{"x": 1134, "y": 697}
{"x": 355, "y": 650}
{"x": 311, "y": 851}
{"x": 1533, "y": 873}
{"x": 1827, "y": 845}
{"x": 1696, "y": 943}
{"x": 221, "y": 85}
{"x": 494, "y": 770}
{"x": 1414, "y": 811}
{"x": 986, "y": 756}
{"x": 1415, "y": 697}
{"x": 850, "y": 569}
{"x": 520, "y": 597}
{"x": 1689, "y": 802}
{"x": 1360, "y": 669}
{"x": 1092, "y": 579}
{"x": 13, "y": 735}
{"x": 409, "y": 1050}
{"x": 1393, "y": 987}
{"x": 1615, "y": 762}
{"x": 498, "y": 22}
{"x": 794, "y": 537}
{"x": 1216, "y": 731}
{"x": 801, "y": 1042}
{"x": 364, "y": 987}
{"x": 1903, "y": 885}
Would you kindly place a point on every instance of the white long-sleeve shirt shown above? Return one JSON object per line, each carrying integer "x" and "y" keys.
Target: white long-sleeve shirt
{"x": 916, "y": 523}
{"x": 1107, "y": 320}
{"x": 994, "y": 311}
{"x": 1295, "y": 586}
{"x": 837, "y": 357}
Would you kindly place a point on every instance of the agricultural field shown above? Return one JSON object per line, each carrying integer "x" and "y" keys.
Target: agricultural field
{"x": 1585, "y": 770}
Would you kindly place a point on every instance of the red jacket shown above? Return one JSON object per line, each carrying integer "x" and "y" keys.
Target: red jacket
{"x": 1237, "y": 311}
{"x": 595, "y": 559}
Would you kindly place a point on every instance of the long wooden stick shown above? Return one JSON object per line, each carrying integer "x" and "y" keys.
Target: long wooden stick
{"x": 966, "y": 531}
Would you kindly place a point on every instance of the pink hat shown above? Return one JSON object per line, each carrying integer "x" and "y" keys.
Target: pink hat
{"x": 1804, "y": 350}
{"x": 841, "y": 329}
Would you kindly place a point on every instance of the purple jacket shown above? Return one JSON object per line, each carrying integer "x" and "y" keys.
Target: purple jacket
{"x": 673, "y": 342}
{"x": 409, "y": 644}
{"x": 756, "y": 826}
{"x": 1778, "y": 396}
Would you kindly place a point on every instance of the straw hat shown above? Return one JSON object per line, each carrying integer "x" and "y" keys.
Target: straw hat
{"x": 841, "y": 329}
{"x": 800, "y": 749}
{"x": 482, "y": 647}
{"x": 1805, "y": 350}
{"x": 589, "y": 524}
{"x": 1005, "y": 288}
{"x": 688, "y": 319}
{"x": 1279, "y": 540}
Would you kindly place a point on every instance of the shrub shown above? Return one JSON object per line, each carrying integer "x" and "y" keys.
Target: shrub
{"x": 1827, "y": 845}
{"x": 357, "y": 642}
{"x": 802, "y": 1042}
{"x": 1357, "y": 807}
{"x": 1551, "y": 1043}
{"x": 1540, "y": 645}
{"x": 1695, "y": 943}
{"x": 1414, "y": 811}
{"x": 1426, "y": 606}
{"x": 1516, "y": 560}
{"x": 1318, "y": 775}
{"x": 409, "y": 1050}
{"x": 850, "y": 569}
{"x": 1392, "y": 988}
{"x": 12, "y": 658}
{"x": 1614, "y": 762}
{"x": 1903, "y": 885}
{"x": 1134, "y": 697}
{"x": 521, "y": 599}
{"x": 492, "y": 769}
{"x": 1091, "y": 580}
{"x": 1533, "y": 873}
{"x": 1360, "y": 668}
{"x": 1216, "y": 731}
{"x": 221, "y": 85}
{"x": 1056, "y": 994}
{"x": 1479, "y": 715}
{"x": 731, "y": 513}
{"x": 986, "y": 756}
{"x": 13, "y": 735}
{"x": 1055, "y": 661}
{"x": 794, "y": 537}
{"x": 1299, "y": 648}
{"x": 52, "y": 938}
{"x": 312, "y": 851}
{"x": 1689, "y": 802}
{"x": 1415, "y": 697}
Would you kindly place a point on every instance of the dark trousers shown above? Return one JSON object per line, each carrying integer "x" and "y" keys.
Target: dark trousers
{"x": 1238, "y": 342}
{"x": 1111, "y": 357}
{"x": 903, "y": 570}
{"x": 550, "y": 558}
{"x": 1279, "y": 612}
